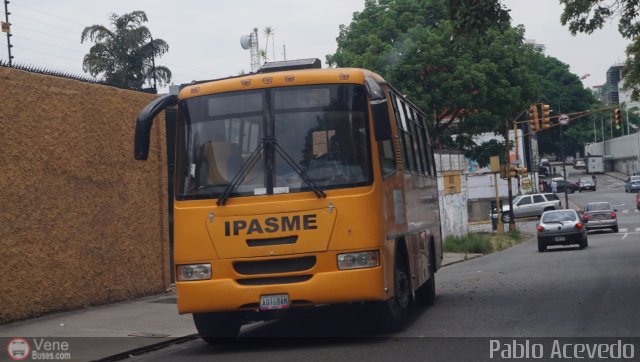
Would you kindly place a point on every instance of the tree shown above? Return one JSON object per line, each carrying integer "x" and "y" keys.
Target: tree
{"x": 124, "y": 54}
{"x": 469, "y": 82}
{"x": 586, "y": 16}
{"x": 269, "y": 32}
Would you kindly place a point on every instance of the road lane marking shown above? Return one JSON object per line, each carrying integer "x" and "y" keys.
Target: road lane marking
{"x": 636, "y": 210}
{"x": 625, "y": 211}
{"x": 637, "y": 229}
{"x": 623, "y": 230}
{"x": 624, "y": 236}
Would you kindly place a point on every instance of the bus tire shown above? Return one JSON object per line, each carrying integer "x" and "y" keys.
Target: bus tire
{"x": 426, "y": 293}
{"x": 217, "y": 328}
{"x": 393, "y": 311}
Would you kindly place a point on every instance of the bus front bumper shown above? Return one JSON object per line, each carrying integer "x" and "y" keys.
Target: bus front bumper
{"x": 328, "y": 287}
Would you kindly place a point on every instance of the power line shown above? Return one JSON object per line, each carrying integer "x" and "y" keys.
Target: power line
{"x": 20, "y": 28}
{"x": 46, "y": 13}
{"x": 40, "y": 51}
{"x": 43, "y": 22}
{"x": 195, "y": 70}
{"x": 49, "y": 44}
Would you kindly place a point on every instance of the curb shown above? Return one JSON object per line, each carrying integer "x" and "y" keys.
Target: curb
{"x": 466, "y": 258}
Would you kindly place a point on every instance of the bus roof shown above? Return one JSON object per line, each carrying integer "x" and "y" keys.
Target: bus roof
{"x": 278, "y": 79}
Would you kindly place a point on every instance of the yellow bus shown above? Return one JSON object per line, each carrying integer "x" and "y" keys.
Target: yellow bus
{"x": 298, "y": 186}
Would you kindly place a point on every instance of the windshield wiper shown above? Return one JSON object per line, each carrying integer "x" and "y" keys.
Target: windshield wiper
{"x": 251, "y": 161}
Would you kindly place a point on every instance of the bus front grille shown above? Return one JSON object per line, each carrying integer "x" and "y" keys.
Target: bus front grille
{"x": 274, "y": 266}
{"x": 274, "y": 280}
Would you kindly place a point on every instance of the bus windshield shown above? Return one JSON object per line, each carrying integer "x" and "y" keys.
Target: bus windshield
{"x": 322, "y": 129}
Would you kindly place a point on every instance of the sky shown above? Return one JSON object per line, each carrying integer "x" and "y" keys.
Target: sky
{"x": 204, "y": 36}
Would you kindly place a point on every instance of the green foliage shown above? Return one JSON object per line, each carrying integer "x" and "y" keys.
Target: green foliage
{"x": 472, "y": 243}
{"x": 587, "y": 16}
{"x": 564, "y": 92}
{"x": 470, "y": 17}
{"x": 468, "y": 81}
{"x": 507, "y": 240}
{"x": 481, "y": 243}
{"x": 123, "y": 54}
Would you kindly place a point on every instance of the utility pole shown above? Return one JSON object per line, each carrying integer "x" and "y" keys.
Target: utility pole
{"x": 626, "y": 108}
{"x": 153, "y": 65}
{"x": 604, "y": 141}
{"x": 6, "y": 28}
{"x": 512, "y": 222}
{"x": 564, "y": 168}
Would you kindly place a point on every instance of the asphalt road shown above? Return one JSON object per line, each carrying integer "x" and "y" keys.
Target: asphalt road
{"x": 518, "y": 292}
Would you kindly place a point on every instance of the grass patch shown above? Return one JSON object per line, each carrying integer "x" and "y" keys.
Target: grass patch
{"x": 481, "y": 243}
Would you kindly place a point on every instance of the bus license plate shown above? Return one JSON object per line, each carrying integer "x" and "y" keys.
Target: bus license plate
{"x": 559, "y": 238}
{"x": 276, "y": 301}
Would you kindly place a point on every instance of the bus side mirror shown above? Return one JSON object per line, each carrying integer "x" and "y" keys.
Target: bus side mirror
{"x": 145, "y": 121}
{"x": 380, "y": 110}
{"x": 381, "y": 121}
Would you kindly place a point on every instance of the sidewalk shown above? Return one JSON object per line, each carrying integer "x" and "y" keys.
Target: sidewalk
{"x": 101, "y": 331}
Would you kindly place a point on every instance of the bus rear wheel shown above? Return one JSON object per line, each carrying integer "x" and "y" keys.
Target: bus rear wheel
{"x": 393, "y": 311}
{"x": 217, "y": 328}
{"x": 426, "y": 293}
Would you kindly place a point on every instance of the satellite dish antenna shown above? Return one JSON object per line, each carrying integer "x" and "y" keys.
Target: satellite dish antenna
{"x": 245, "y": 41}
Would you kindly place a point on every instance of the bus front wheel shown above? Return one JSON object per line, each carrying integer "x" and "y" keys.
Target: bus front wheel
{"x": 394, "y": 310}
{"x": 216, "y": 328}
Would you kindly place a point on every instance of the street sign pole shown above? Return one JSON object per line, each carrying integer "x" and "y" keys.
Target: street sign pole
{"x": 564, "y": 120}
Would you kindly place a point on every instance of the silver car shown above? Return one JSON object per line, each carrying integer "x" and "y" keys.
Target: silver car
{"x": 561, "y": 227}
{"x": 601, "y": 215}
{"x": 529, "y": 205}
{"x": 632, "y": 184}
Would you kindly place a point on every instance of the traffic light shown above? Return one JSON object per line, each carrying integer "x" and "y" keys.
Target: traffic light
{"x": 533, "y": 118}
{"x": 616, "y": 114}
{"x": 523, "y": 172}
{"x": 546, "y": 121}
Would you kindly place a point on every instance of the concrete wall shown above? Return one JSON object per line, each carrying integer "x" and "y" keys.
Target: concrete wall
{"x": 81, "y": 221}
{"x": 453, "y": 205}
{"x": 622, "y": 154}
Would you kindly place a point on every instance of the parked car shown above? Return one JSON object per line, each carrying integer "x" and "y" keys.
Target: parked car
{"x": 571, "y": 186}
{"x": 632, "y": 184}
{"x": 569, "y": 160}
{"x": 600, "y": 215}
{"x": 544, "y": 162}
{"x": 561, "y": 227}
{"x": 579, "y": 165}
{"x": 529, "y": 205}
{"x": 586, "y": 183}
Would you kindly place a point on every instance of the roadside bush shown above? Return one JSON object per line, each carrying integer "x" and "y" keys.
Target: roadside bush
{"x": 472, "y": 243}
{"x": 481, "y": 243}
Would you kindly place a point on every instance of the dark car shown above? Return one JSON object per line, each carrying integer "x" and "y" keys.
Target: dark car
{"x": 561, "y": 227}
{"x": 570, "y": 186}
{"x": 586, "y": 183}
{"x": 601, "y": 215}
{"x": 543, "y": 171}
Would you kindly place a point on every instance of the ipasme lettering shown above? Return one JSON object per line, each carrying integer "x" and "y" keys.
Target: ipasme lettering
{"x": 271, "y": 225}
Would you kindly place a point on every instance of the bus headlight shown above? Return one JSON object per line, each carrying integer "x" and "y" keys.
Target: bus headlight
{"x": 365, "y": 259}
{"x": 194, "y": 272}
